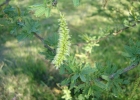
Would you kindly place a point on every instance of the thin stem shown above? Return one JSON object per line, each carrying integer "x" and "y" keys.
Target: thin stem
{"x": 125, "y": 28}
{"x": 105, "y": 3}
{"x": 39, "y": 37}
{"x": 45, "y": 45}
{"x": 115, "y": 33}
{"x": 128, "y": 68}
{"x": 118, "y": 32}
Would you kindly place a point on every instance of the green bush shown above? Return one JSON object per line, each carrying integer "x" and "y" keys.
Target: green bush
{"x": 93, "y": 45}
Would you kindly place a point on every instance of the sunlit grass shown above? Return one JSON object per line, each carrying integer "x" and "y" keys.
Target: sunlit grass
{"x": 21, "y": 49}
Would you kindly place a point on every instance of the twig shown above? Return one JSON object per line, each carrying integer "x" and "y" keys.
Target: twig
{"x": 40, "y": 38}
{"x": 125, "y": 28}
{"x": 105, "y": 3}
{"x": 118, "y": 32}
{"x": 45, "y": 45}
{"x": 4, "y": 3}
{"x": 128, "y": 68}
{"x": 115, "y": 33}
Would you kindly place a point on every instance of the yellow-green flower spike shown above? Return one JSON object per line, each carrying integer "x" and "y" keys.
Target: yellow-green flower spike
{"x": 63, "y": 48}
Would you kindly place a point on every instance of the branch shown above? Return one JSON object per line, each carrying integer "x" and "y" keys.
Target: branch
{"x": 115, "y": 33}
{"x": 45, "y": 45}
{"x": 128, "y": 68}
{"x": 125, "y": 28}
{"x": 40, "y": 38}
{"x": 4, "y": 3}
{"x": 119, "y": 31}
{"x": 105, "y": 3}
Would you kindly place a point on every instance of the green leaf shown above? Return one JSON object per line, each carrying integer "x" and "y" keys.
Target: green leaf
{"x": 82, "y": 77}
{"x": 126, "y": 23}
{"x": 74, "y": 77}
{"x": 72, "y": 84}
{"x": 105, "y": 77}
{"x": 52, "y": 39}
{"x": 76, "y": 2}
{"x": 90, "y": 91}
{"x": 117, "y": 87}
{"x": 109, "y": 85}
{"x": 48, "y": 11}
{"x": 69, "y": 69}
{"x": 65, "y": 82}
{"x": 114, "y": 69}
{"x": 9, "y": 9}
{"x": 88, "y": 70}
{"x": 118, "y": 73}
{"x": 26, "y": 29}
{"x": 100, "y": 84}
{"x": 35, "y": 7}
{"x": 126, "y": 54}
{"x": 79, "y": 87}
{"x": 126, "y": 82}
{"x": 40, "y": 11}
{"x": 13, "y": 31}
{"x": 62, "y": 70}
{"x": 115, "y": 92}
{"x": 22, "y": 36}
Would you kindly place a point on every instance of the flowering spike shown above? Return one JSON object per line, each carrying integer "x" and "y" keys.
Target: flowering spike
{"x": 63, "y": 48}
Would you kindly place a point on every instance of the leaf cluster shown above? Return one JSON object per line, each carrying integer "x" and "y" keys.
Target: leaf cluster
{"x": 133, "y": 51}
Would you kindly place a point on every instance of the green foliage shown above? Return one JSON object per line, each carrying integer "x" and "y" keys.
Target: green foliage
{"x": 135, "y": 90}
{"x": 91, "y": 41}
{"x": 10, "y": 11}
{"x": 42, "y": 9}
{"x": 76, "y": 2}
{"x": 133, "y": 51}
{"x": 51, "y": 40}
{"x": 27, "y": 28}
{"x": 85, "y": 78}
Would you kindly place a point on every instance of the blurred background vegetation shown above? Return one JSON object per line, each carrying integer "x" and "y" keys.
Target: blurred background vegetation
{"x": 25, "y": 74}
